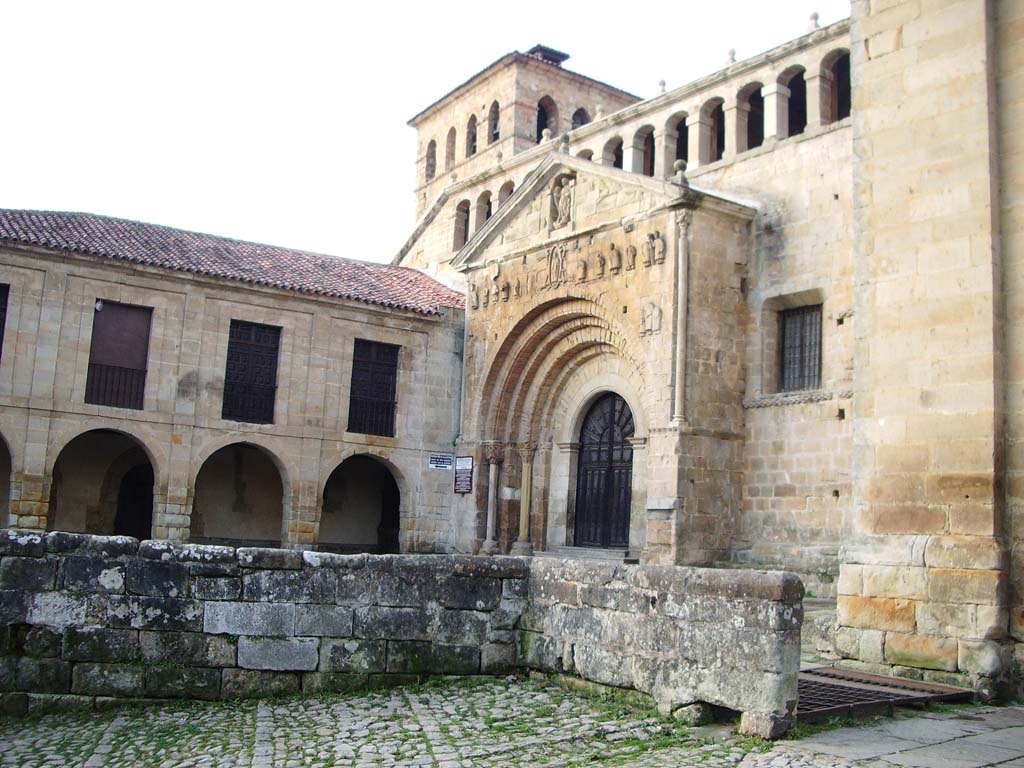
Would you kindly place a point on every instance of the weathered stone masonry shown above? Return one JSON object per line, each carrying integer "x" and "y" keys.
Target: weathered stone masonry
{"x": 90, "y": 619}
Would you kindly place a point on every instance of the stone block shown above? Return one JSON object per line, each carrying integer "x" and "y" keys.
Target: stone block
{"x": 500, "y": 567}
{"x": 33, "y": 574}
{"x": 216, "y": 588}
{"x": 470, "y": 594}
{"x": 508, "y": 613}
{"x": 14, "y": 704}
{"x": 189, "y": 683}
{"x": 57, "y": 610}
{"x": 43, "y": 675}
{"x": 847, "y": 642}
{"x": 249, "y": 619}
{"x": 335, "y": 682}
{"x": 14, "y": 606}
{"x": 92, "y": 574}
{"x": 498, "y": 658}
{"x": 138, "y": 612}
{"x": 618, "y": 598}
{"x": 876, "y": 613}
{"x": 872, "y": 646}
{"x": 192, "y": 649}
{"x": 249, "y": 683}
{"x": 334, "y": 561}
{"x": 945, "y": 619}
{"x": 461, "y": 628}
{"x": 767, "y": 725}
{"x": 157, "y": 578}
{"x": 515, "y": 588}
{"x": 949, "y": 585}
{"x": 921, "y": 651}
{"x": 177, "y": 552}
{"x": 62, "y": 543}
{"x": 850, "y": 580}
{"x": 323, "y": 620}
{"x": 108, "y": 679}
{"x": 99, "y": 644}
{"x": 416, "y": 658}
{"x": 970, "y": 552}
{"x": 21, "y": 543}
{"x": 537, "y": 651}
{"x": 608, "y": 666}
{"x": 355, "y": 656}
{"x": 895, "y": 581}
{"x": 49, "y": 702}
{"x": 313, "y": 585}
{"x": 981, "y": 657}
{"x": 695, "y": 714}
{"x": 991, "y": 622}
{"x": 40, "y": 642}
{"x": 356, "y": 587}
{"x": 9, "y": 673}
{"x": 291, "y": 654}
{"x": 266, "y": 557}
{"x": 385, "y": 623}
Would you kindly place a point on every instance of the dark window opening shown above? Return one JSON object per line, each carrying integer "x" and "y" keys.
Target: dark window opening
{"x": 461, "y": 234}
{"x": 755, "y": 120}
{"x": 5, "y": 291}
{"x": 682, "y": 141}
{"x": 800, "y": 348}
{"x": 471, "y": 137}
{"x": 580, "y": 118}
{"x": 717, "y": 133}
{"x": 841, "y": 88}
{"x": 542, "y": 122}
{"x": 371, "y": 405}
{"x": 117, "y": 355}
{"x": 797, "y": 104}
{"x": 431, "y": 163}
{"x": 494, "y": 123}
{"x": 250, "y": 378}
{"x": 648, "y": 165}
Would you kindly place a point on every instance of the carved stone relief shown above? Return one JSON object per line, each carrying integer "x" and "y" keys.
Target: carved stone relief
{"x": 650, "y": 319}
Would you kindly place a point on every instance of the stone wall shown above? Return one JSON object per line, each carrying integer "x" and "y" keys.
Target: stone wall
{"x": 85, "y": 619}
{"x": 683, "y": 635}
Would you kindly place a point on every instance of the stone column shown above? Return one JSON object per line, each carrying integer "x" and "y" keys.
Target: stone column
{"x": 523, "y": 546}
{"x": 818, "y": 90}
{"x": 490, "y": 545}
{"x": 738, "y": 126}
{"x": 683, "y": 220}
{"x": 664, "y": 153}
{"x": 700, "y": 140}
{"x": 776, "y": 111}
{"x": 729, "y": 115}
{"x": 633, "y": 155}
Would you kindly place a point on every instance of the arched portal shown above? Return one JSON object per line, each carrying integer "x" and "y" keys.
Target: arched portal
{"x": 238, "y": 498}
{"x": 102, "y": 483}
{"x": 604, "y": 475}
{"x": 360, "y": 511}
{"x": 6, "y": 466}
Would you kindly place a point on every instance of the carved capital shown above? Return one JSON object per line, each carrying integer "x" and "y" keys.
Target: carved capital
{"x": 526, "y": 451}
{"x": 494, "y": 452}
{"x": 683, "y": 220}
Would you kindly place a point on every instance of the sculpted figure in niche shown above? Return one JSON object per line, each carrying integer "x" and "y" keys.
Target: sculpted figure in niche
{"x": 659, "y": 248}
{"x": 487, "y": 296}
{"x": 474, "y": 295}
{"x": 614, "y": 260}
{"x": 517, "y": 289}
{"x": 649, "y": 251}
{"x": 599, "y": 272}
{"x": 650, "y": 319}
{"x": 505, "y": 290}
{"x": 495, "y": 292}
{"x": 556, "y": 266}
{"x": 561, "y": 198}
{"x": 581, "y": 270}
{"x": 630, "y": 256}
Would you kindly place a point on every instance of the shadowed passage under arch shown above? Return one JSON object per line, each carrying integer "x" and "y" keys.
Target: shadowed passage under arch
{"x": 102, "y": 483}
{"x": 360, "y": 511}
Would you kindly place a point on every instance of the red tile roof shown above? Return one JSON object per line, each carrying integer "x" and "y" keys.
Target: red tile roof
{"x": 269, "y": 265}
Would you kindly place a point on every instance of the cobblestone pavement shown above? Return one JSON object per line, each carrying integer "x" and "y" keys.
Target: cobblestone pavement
{"x": 479, "y": 723}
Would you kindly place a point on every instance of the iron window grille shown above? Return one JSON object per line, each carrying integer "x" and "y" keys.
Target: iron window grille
{"x": 250, "y": 376}
{"x": 372, "y": 402}
{"x": 800, "y": 348}
{"x": 118, "y": 355}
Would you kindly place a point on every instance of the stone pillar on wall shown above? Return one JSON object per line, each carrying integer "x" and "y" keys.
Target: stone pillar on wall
{"x": 737, "y": 126}
{"x": 664, "y": 153}
{"x": 729, "y": 115}
{"x": 633, "y": 154}
{"x": 700, "y": 140}
{"x": 818, "y": 93}
{"x": 776, "y": 111}
{"x": 922, "y": 585}
{"x": 523, "y": 546}
{"x": 494, "y": 456}
{"x": 683, "y": 219}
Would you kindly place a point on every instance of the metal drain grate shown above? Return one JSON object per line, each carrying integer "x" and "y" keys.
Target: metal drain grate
{"x": 827, "y": 692}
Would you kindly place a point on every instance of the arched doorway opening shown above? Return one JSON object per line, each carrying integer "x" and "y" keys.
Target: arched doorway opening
{"x": 360, "y": 511}
{"x": 604, "y": 475}
{"x": 238, "y": 498}
{"x": 102, "y": 483}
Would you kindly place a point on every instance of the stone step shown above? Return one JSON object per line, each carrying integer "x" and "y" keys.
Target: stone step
{"x": 589, "y": 553}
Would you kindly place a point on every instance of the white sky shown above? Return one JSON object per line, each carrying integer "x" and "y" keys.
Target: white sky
{"x": 284, "y": 122}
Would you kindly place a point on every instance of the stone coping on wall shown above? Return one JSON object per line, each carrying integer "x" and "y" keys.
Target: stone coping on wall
{"x": 87, "y": 619}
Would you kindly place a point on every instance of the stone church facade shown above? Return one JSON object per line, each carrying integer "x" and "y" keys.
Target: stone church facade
{"x": 767, "y": 319}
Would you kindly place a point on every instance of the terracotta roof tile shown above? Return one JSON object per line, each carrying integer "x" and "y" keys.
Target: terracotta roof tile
{"x": 269, "y": 265}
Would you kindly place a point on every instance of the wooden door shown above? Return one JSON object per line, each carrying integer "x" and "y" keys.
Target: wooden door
{"x": 604, "y": 475}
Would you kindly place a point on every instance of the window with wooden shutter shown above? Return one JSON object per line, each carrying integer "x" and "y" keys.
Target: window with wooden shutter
{"x": 371, "y": 405}
{"x": 800, "y": 348}
{"x": 250, "y": 377}
{"x": 118, "y": 354}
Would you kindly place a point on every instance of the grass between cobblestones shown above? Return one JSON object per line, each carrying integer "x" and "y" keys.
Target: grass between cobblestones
{"x": 450, "y": 723}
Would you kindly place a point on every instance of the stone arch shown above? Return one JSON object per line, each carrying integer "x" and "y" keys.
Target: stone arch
{"x": 430, "y": 164}
{"x": 836, "y": 94}
{"x": 678, "y": 125}
{"x": 87, "y": 493}
{"x": 750, "y": 117}
{"x": 794, "y": 80}
{"x": 585, "y": 154}
{"x": 460, "y": 228}
{"x": 712, "y": 126}
{"x": 580, "y": 118}
{"x": 493, "y": 123}
{"x": 505, "y": 192}
{"x": 483, "y": 210}
{"x": 235, "y": 496}
{"x": 471, "y": 136}
{"x": 449, "y": 150}
{"x": 611, "y": 154}
{"x": 547, "y": 117}
{"x": 361, "y": 507}
{"x": 643, "y": 150}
